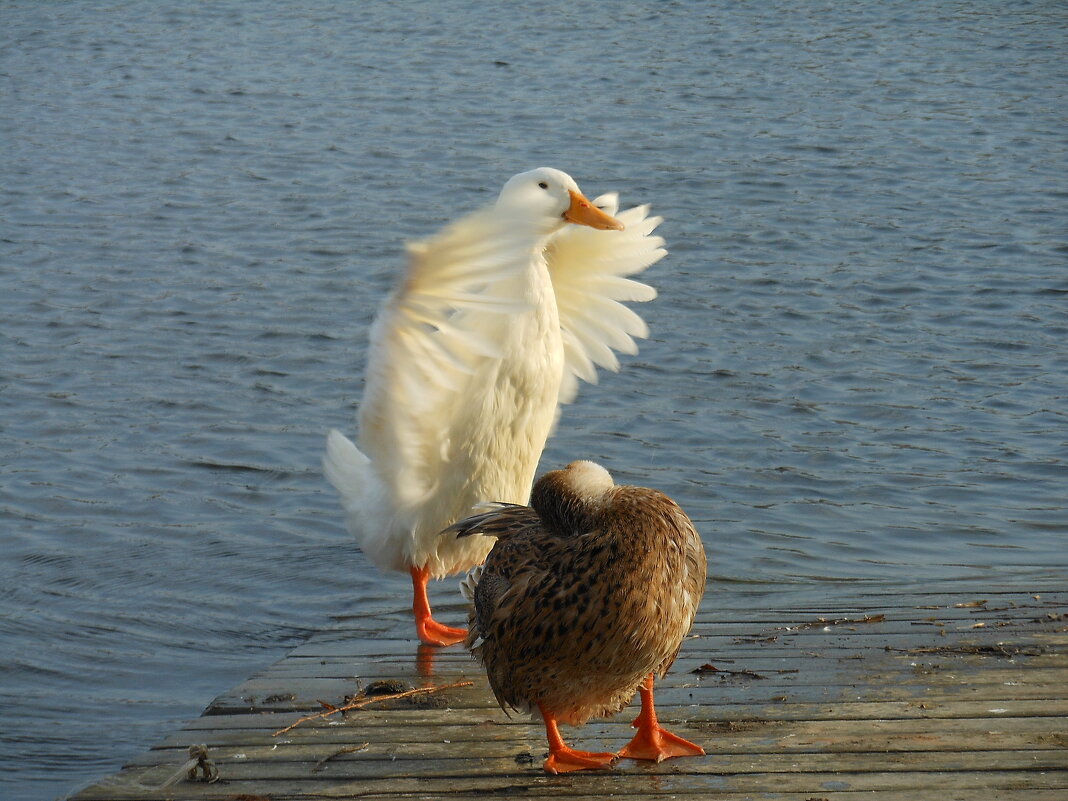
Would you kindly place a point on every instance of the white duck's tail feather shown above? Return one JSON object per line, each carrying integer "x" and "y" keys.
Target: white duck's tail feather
{"x": 364, "y": 497}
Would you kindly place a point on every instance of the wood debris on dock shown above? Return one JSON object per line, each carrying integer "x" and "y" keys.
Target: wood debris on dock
{"x": 854, "y": 699}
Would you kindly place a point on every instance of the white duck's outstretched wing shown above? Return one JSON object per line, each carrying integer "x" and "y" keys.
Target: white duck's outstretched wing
{"x": 433, "y": 332}
{"x": 589, "y": 271}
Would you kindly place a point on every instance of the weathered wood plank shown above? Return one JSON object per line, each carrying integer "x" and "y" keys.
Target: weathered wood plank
{"x": 814, "y": 743}
{"x": 916, "y": 670}
{"x": 396, "y": 624}
{"x": 752, "y": 641}
{"x": 380, "y": 763}
{"x": 750, "y": 682}
{"x": 773, "y": 610}
{"x": 754, "y": 735}
{"x": 985, "y": 793}
{"x": 862, "y": 620}
{"x": 924, "y": 697}
{"x": 694, "y": 655}
{"x": 991, "y": 708}
{"x": 983, "y": 784}
{"x": 536, "y": 794}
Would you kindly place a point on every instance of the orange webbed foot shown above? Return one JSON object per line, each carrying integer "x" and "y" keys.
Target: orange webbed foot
{"x": 659, "y": 744}
{"x": 652, "y": 741}
{"x": 567, "y": 759}
{"x": 563, "y": 758}
{"x": 433, "y": 633}
{"x": 429, "y": 630}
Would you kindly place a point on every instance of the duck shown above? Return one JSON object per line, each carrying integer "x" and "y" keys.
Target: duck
{"x": 489, "y": 330}
{"x": 585, "y": 598}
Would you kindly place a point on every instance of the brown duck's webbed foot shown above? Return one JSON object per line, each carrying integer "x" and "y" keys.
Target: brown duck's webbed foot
{"x": 651, "y": 741}
{"x": 564, "y": 759}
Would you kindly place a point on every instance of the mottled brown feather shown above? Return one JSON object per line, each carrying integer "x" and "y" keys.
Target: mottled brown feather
{"x": 583, "y": 595}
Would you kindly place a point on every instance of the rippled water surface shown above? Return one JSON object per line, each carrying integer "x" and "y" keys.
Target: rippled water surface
{"x": 858, "y": 368}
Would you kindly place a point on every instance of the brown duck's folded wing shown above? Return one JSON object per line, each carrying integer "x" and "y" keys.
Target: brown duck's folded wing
{"x": 492, "y": 587}
{"x": 496, "y": 520}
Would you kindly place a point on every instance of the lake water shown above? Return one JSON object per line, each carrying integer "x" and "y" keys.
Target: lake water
{"x": 858, "y": 368}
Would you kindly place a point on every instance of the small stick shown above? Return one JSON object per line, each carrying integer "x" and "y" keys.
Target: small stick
{"x": 351, "y": 749}
{"x": 363, "y": 701}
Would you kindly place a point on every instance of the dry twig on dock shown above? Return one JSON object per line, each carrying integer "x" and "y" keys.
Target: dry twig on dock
{"x": 363, "y": 700}
{"x": 351, "y": 749}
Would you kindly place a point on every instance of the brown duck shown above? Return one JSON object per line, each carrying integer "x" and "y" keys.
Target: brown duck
{"x": 586, "y": 596}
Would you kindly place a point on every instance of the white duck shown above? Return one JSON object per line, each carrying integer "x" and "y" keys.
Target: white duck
{"x": 492, "y": 325}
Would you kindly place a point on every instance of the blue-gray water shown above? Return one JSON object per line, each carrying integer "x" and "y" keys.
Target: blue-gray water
{"x": 858, "y": 368}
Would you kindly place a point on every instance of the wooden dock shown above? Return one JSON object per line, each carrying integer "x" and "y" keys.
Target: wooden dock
{"x": 947, "y": 693}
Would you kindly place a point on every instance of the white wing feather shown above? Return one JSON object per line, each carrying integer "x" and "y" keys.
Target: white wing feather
{"x": 589, "y": 271}
{"x": 431, "y": 334}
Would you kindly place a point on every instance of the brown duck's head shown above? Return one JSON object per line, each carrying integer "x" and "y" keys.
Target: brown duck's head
{"x": 570, "y": 501}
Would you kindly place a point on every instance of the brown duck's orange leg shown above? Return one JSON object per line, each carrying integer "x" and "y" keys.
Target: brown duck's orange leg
{"x": 652, "y": 741}
{"x": 429, "y": 630}
{"x": 563, "y": 759}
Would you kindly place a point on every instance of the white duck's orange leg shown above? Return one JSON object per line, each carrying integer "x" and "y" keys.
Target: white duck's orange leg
{"x": 652, "y": 741}
{"x": 429, "y": 630}
{"x": 563, "y": 759}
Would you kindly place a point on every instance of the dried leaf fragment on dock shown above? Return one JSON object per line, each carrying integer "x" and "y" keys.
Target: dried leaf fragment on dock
{"x": 709, "y": 668}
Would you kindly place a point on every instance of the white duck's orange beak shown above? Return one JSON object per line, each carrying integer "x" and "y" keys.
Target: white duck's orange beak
{"x": 583, "y": 212}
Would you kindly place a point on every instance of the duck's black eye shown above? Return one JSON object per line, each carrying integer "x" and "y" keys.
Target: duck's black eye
{"x": 543, "y": 185}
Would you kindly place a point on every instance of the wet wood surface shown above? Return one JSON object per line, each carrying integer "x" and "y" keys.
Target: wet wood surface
{"x": 945, "y": 693}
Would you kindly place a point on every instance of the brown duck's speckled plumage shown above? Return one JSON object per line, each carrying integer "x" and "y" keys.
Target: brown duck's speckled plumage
{"x": 583, "y": 595}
